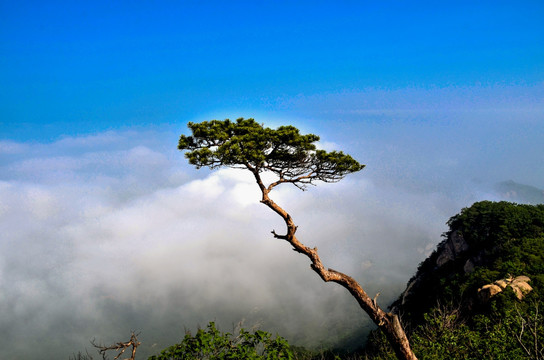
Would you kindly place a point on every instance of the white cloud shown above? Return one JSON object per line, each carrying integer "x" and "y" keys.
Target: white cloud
{"x": 104, "y": 234}
{"x": 328, "y": 146}
{"x": 78, "y": 225}
{"x": 12, "y": 147}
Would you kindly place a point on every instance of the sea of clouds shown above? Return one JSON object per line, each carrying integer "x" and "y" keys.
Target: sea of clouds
{"x": 107, "y": 233}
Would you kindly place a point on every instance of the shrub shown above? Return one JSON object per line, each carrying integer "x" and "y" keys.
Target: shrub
{"x": 210, "y": 343}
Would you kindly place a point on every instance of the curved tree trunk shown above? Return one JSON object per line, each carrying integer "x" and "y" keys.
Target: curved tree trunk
{"x": 388, "y": 322}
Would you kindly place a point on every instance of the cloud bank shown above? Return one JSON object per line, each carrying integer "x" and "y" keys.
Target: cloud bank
{"x": 114, "y": 232}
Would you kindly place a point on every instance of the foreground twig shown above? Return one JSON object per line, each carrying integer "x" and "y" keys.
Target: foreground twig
{"x": 120, "y": 346}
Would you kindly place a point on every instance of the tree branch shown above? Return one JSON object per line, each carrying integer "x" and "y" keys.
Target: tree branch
{"x": 388, "y": 322}
{"x": 120, "y": 346}
{"x": 283, "y": 237}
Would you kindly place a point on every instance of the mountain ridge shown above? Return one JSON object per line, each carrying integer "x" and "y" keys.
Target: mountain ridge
{"x": 447, "y": 308}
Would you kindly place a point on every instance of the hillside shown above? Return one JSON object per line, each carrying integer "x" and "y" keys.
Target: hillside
{"x": 478, "y": 295}
{"x": 520, "y": 193}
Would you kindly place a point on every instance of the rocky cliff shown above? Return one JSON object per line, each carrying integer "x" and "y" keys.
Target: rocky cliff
{"x": 464, "y": 267}
{"x": 478, "y": 293}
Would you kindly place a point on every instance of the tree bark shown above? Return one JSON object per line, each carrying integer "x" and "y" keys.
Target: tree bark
{"x": 388, "y": 322}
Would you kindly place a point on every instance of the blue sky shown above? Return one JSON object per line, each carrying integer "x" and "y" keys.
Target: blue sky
{"x": 104, "y": 227}
{"x": 81, "y": 67}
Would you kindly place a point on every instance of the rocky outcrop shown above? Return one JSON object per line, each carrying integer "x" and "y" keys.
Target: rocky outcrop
{"x": 454, "y": 245}
{"x": 472, "y": 263}
{"x": 484, "y": 239}
{"x": 450, "y": 249}
{"x": 518, "y": 284}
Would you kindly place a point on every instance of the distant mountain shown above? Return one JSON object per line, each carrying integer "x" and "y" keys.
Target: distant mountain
{"x": 520, "y": 193}
{"x": 478, "y": 293}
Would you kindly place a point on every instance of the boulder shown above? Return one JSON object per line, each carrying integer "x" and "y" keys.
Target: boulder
{"x": 518, "y": 284}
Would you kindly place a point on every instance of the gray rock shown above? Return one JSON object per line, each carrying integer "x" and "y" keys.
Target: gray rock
{"x": 454, "y": 245}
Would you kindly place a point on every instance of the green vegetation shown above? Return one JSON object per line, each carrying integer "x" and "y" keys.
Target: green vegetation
{"x": 210, "y": 343}
{"x": 246, "y": 144}
{"x": 445, "y": 315}
{"x": 503, "y": 239}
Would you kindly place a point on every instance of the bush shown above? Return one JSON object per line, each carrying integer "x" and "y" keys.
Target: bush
{"x": 210, "y": 343}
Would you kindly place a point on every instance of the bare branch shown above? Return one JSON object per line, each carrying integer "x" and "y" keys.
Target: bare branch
{"x": 375, "y": 300}
{"x": 120, "y": 346}
{"x": 277, "y": 236}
